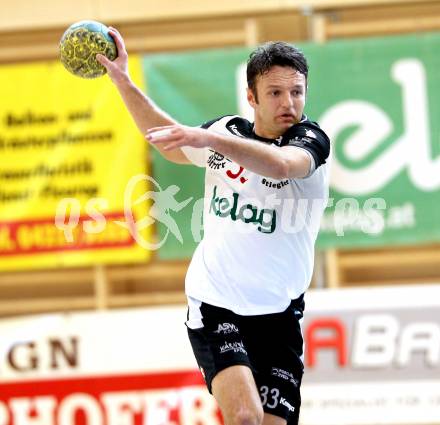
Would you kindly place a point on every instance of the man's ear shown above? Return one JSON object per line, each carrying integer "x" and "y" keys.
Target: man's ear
{"x": 251, "y": 98}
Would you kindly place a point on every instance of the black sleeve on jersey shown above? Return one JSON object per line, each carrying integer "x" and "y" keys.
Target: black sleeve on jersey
{"x": 308, "y": 135}
{"x": 208, "y": 124}
{"x": 241, "y": 127}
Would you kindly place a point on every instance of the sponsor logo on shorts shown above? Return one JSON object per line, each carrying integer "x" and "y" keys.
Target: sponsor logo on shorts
{"x": 202, "y": 371}
{"x": 283, "y": 374}
{"x": 236, "y": 347}
{"x": 285, "y": 403}
{"x": 226, "y": 328}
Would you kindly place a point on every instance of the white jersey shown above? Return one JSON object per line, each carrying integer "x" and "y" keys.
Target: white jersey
{"x": 259, "y": 233}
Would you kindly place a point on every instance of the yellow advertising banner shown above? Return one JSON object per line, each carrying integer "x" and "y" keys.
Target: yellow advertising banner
{"x": 69, "y": 152}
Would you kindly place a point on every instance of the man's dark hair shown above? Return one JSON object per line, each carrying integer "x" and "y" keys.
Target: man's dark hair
{"x": 274, "y": 53}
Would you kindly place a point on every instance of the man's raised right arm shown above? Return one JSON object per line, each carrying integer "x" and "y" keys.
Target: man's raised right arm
{"x": 143, "y": 110}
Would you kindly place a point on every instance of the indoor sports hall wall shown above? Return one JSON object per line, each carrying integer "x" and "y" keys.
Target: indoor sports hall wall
{"x": 384, "y": 168}
{"x": 383, "y": 254}
{"x": 92, "y": 312}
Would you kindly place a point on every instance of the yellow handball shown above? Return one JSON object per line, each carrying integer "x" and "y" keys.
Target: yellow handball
{"x": 80, "y": 44}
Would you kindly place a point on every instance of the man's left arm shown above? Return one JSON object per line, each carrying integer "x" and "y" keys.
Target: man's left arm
{"x": 271, "y": 161}
{"x": 266, "y": 160}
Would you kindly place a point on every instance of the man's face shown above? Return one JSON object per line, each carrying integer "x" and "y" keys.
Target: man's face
{"x": 280, "y": 100}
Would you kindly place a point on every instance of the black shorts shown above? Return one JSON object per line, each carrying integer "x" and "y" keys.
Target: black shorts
{"x": 271, "y": 345}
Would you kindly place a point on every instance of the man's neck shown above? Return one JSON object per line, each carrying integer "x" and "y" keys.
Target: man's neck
{"x": 266, "y": 133}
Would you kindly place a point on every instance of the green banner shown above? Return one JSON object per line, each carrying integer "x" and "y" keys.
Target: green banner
{"x": 377, "y": 99}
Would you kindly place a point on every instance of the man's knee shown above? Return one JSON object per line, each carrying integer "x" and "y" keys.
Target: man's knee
{"x": 248, "y": 416}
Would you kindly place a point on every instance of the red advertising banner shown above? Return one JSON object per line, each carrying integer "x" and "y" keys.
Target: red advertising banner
{"x": 371, "y": 356}
{"x": 35, "y": 236}
{"x": 138, "y": 399}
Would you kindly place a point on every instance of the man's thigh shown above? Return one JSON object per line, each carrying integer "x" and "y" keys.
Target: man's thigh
{"x": 275, "y": 348}
{"x": 223, "y": 360}
{"x": 269, "y": 419}
{"x": 217, "y": 342}
{"x": 236, "y": 393}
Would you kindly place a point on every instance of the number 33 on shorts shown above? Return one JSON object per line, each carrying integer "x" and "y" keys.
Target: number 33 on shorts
{"x": 269, "y": 397}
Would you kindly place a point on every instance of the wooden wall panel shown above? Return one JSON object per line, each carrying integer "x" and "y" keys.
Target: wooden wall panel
{"x": 22, "y": 14}
{"x": 289, "y": 26}
{"x": 31, "y": 45}
{"x": 96, "y": 287}
{"x": 319, "y": 5}
{"x": 157, "y": 10}
{"x": 384, "y": 19}
{"x": 383, "y": 266}
{"x": 25, "y": 14}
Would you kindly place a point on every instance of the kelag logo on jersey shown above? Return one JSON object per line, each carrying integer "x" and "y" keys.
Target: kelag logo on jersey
{"x": 264, "y": 218}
